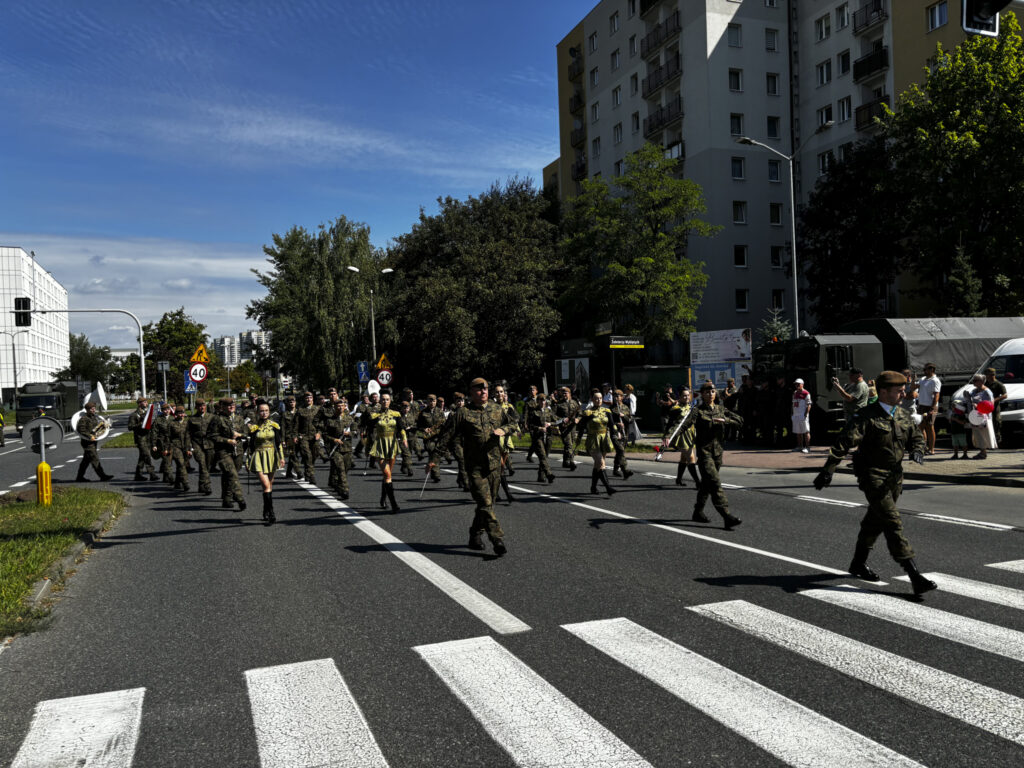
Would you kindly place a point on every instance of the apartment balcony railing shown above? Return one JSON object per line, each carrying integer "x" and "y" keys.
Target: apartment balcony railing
{"x": 873, "y": 12}
{"x": 578, "y": 136}
{"x": 874, "y": 62}
{"x": 664, "y": 74}
{"x": 663, "y": 117}
{"x": 576, "y": 68}
{"x": 865, "y": 114}
{"x": 579, "y": 170}
{"x": 576, "y": 102}
{"x": 647, "y": 6}
{"x": 662, "y": 33}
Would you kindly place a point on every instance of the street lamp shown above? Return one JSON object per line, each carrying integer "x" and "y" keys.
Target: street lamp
{"x": 14, "y": 357}
{"x": 792, "y": 215}
{"x": 373, "y": 325}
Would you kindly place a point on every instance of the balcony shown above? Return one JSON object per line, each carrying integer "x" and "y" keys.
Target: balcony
{"x": 664, "y": 74}
{"x": 579, "y": 170}
{"x": 865, "y": 114}
{"x": 576, "y": 102}
{"x": 578, "y": 136}
{"x": 663, "y": 117}
{"x": 576, "y": 68}
{"x": 873, "y": 63}
{"x": 871, "y": 13}
{"x": 646, "y": 6}
{"x": 663, "y": 32}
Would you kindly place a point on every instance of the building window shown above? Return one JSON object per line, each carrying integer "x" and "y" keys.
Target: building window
{"x": 616, "y": 96}
{"x": 595, "y": 111}
{"x": 843, "y": 16}
{"x": 772, "y": 83}
{"x": 825, "y": 115}
{"x": 776, "y": 256}
{"x": 823, "y": 72}
{"x": 613, "y": 23}
{"x": 595, "y": 148}
{"x": 739, "y": 212}
{"x": 741, "y": 299}
{"x": 735, "y": 79}
{"x": 739, "y": 256}
{"x": 734, "y": 34}
{"x": 631, "y": 8}
{"x": 845, "y": 109}
{"x": 775, "y": 214}
{"x": 774, "y": 127}
{"x": 618, "y": 167}
{"x": 617, "y": 133}
{"x": 771, "y": 40}
{"x": 843, "y": 62}
{"x": 778, "y": 298}
{"x": 774, "y": 170}
{"x": 738, "y": 168}
{"x": 593, "y": 76}
{"x": 592, "y": 42}
{"x": 634, "y": 83}
{"x": 616, "y": 59}
{"x": 937, "y": 15}
{"x": 845, "y": 150}
{"x": 771, "y": 3}
{"x": 736, "y": 124}
{"x": 822, "y": 28}
{"x": 632, "y": 45}
{"x": 825, "y": 162}
{"x": 635, "y": 121}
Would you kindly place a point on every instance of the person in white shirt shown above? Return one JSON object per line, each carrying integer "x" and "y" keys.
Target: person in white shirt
{"x": 929, "y": 388}
{"x": 802, "y": 417}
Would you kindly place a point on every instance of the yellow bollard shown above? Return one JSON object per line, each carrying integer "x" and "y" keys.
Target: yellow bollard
{"x": 44, "y": 485}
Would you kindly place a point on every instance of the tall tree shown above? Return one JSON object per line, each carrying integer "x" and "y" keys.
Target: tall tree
{"x": 88, "y": 362}
{"x": 626, "y": 245}
{"x": 174, "y": 338}
{"x": 124, "y": 376}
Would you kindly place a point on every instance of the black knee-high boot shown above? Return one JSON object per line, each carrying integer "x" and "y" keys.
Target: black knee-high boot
{"x": 692, "y": 469}
{"x": 603, "y": 475}
{"x": 504, "y": 487}
{"x": 268, "y": 508}
{"x": 679, "y": 473}
{"x": 593, "y": 480}
{"x": 383, "y": 493}
{"x": 390, "y": 488}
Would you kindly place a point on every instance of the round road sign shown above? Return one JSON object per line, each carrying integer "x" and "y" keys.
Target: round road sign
{"x": 384, "y": 377}
{"x": 197, "y": 372}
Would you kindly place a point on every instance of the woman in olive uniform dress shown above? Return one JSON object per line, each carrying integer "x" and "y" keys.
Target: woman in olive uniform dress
{"x": 682, "y": 440}
{"x": 266, "y": 455}
{"x": 386, "y": 428}
{"x": 596, "y": 422}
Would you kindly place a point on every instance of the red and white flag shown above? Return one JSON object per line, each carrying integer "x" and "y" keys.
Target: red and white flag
{"x": 147, "y": 421}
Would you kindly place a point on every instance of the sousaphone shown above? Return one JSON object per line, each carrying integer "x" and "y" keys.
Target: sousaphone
{"x": 99, "y": 397}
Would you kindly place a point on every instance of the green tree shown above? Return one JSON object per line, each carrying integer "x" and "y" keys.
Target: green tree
{"x": 475, "y": 288}
{"x": 774, "y": 328}
{"x": 88, "y": 363}
{"x": 174, "y": 338}
{"x": 626, "y": 247}
{"x": 124, "y": 376}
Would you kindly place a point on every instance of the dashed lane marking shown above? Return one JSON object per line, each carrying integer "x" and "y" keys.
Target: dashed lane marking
{"x": 962, "y": 521}
{"x": 831, "y": 502}
{"x": 1017, "y": 566}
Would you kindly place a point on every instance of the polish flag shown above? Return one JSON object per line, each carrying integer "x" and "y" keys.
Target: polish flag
{"x": 147, "y": 421}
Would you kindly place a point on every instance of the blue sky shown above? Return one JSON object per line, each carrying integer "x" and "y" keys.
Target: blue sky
{"x": 150, "y": 149}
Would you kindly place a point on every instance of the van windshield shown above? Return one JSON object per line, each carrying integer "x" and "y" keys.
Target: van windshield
{"x": 1009, "y": 368}
{"x": 37, "y": 401}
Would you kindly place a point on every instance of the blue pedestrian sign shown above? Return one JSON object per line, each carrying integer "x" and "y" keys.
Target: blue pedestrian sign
{"x": 190, "y": 385}
{"x": 363, "y": 369}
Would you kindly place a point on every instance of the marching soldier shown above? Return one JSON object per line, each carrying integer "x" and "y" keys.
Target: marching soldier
{"x": 711, "y": 419}
{"x": 408, "y": 423}
{"x": 143, "y": 439}
{"x": 540, "y": 419}
{"x": 289, "y": 427}
{"x": 226, "y": 438}
{"x": 882, "y": 432}
{"x": 326, "y": 412}
{"x": 410, "y": 430}
{"x": 429, "y": 424}
{"x": 337, "y": 434}
{"x": 568, "y": 412}
{"x": 622, "y": 420}
{"x": 248, "y": 410}
{"x": 178, "y": 448}
{"x": 87, "y": 428}
{"x": 530, "y": 404}
{"x": 307, "y": 436}
{"x": 160, "y": 425}
{"x": 455, "y": 444}
{"x": 202, "y": 448}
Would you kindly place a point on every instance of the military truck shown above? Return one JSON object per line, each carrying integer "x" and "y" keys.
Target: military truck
{"x": 58, "y": 400}
{"x": 956, "y": 345}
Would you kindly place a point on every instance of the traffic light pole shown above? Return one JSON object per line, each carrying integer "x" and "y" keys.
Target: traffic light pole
{"x": 14, "y": 355}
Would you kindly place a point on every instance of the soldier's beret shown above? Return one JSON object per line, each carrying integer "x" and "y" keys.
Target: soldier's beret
{"x": 890, "y": 379}
{"x": 200, "y": 402}
{"x": 180, "y": 410}
{"x": 141, "y": 400}
{"x": 478, "y": 382}
{"x": 458, "y": 396}
{"x": 431, "y": 397}
{"x": 541, "y": 396}
{"x": 226, "y": 401}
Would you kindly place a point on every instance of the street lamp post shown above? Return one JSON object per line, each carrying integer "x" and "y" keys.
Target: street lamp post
{"x": 14, "y": 356}
{"x": 373, "y": 322}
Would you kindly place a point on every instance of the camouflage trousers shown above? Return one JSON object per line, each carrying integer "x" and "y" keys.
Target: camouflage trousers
{"x": 434, "y": 454}
{"x": 460, "y": 462}
{"x": 230, "y": 487}
{"x": 90, "y": 458}
{"x": 145, "y": 461}
{"x": 568, "y": 447}
{"x": 341, "y": 463}
{"x": 620, "y": 454}
{"x": 882, "y": 517}
{"x": 710, "y": 484}
{"x": 539, "y": 446}
{"x": 202, "y": 457}
{"x": 180, "y": 462}
{"x": 309, "y": 449}
{"x": 483, "y": 486}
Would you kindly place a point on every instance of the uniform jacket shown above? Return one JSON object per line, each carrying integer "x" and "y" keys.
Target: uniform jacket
{"x": 710, "y": 434}
{"x": 335, "y": 428}
{"x": 880, "y": 440}
{"x": 474, "y": 426}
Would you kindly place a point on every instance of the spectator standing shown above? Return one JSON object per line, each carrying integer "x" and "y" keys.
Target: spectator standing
{"x": 801, "y": 417}
{"x": 984, "y": 435}
{"x": 630, "y": 400}
{"x": 958, "y": 427}
{"x": 856, "y": 392}
{"x": 998, "y": 395}
{"x": 929, "y": 388}
{"x": 666, "y": 400}
{"x": 909, "y": 399}
{"x": 731, "y": 400}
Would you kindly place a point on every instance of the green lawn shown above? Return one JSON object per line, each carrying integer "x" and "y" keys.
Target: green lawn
{"x": 33, "y": 537}
{"x": 124, "y": 440}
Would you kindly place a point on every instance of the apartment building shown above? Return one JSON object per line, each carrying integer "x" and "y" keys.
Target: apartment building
{"x": 227, "y": 349}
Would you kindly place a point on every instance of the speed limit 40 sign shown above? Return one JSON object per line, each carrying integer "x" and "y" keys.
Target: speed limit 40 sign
{"x": 198, "y": 372}
{"x": 384, "y": 377}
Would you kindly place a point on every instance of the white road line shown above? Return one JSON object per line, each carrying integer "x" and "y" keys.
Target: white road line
{"x": 1017, "y": 566}
{"x": 658, "y": 474}
{"x": 23, "y": 482}
{"x": 978, "y": 705}
{"x": 489, "y": 612}
{"x": 525, "y": 714}
{"x": 833, "y": 502}
{"x": 784, "y": 728}
{"x": 305, "y": 716}
{"x": 963, "y": 521}
{"x": 949, "y": 626}
{"x": 22, "y": 448}
{"x": 978, "y": 590}
{"x": 99, "y": 730}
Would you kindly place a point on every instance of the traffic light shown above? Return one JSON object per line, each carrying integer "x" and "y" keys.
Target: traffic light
{"x": 981, "y": 17}
{"x": 22, "y": 311}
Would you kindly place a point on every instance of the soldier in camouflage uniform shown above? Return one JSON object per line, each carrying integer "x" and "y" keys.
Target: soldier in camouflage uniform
{"x": 327, "y": 412}
{"x": 178, "y": 448}
{"x": 480, "y": 426}
{"x": 622, "y": 418}
{"x": 307, "y": 436}
{"x": 337, "y": 433}
{"x": 429, "y": 424}
{"x": 87, "y": 427}
{"x": 529, "y": 405}
{"x": 160, "y": 425}
{"x": 882, "y": 432}
{"x": 143, "y": 440}
{"x": 248, "y": 411}
{"x": 540, "y": 418}
{"x": 455, "y": 445}
{"x": 711, "y": 419}
{"x": 410, "y": 430}
{"x": 408, "y": 423}
{"x": 202, "y": 448}
{"x": 289, "y": 431}
{"x": 226, "y": 439}
{"x": 567, "y": 410}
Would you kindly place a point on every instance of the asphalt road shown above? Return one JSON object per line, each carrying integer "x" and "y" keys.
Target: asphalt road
{"x": 614, "y": 632}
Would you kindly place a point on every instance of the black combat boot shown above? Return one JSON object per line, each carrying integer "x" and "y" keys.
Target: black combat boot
{"x": 859, "y": 564}
{"x": 153, "y": 476}
{"x": 603, "y": 476}
{"x": 499, "y": 547}
{"x": 139, "y": 477}
{"x": 731, "y": 521}
{"x": 917, "y": 579}
{"x": 679, "y": 474}
{"x": 226, "y": 503}
{"x": 288, "y": 473}
{"x": 476, "y": 540}
{"x": 540, "y": 476}
{"x": 700, "y": 517}
{"x": 241, "y": 503}
{"x": 391, "y": 497}
{"x": 626, "y": 473}
{"x": 551, "y": 478}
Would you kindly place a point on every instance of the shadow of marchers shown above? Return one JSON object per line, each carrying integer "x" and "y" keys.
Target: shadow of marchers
{"x": 597, "y": 522}
{"x": 788, "y": 583}
{"x": 459, "y": 550}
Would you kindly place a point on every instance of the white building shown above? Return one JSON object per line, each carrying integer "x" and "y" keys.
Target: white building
{"x": 250, "y": 341}
{"x": 227, "y": 350}
{"x": 43, "y": 347}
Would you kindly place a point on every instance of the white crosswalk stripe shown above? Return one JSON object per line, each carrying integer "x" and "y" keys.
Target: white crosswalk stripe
{"x": 977, "y": 590}
{"x": 305, "y": 717}
{"x": 788, "y": 730}
{"x": 526, "y": 715}
{"x": 99, "y": 730}
{"x": 1017, "y": 566}
{"x": 978, "y": 705}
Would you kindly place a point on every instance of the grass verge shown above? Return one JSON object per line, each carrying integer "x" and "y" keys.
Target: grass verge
{"x": 34, "y": 537}
{"x": 124, "y": 440}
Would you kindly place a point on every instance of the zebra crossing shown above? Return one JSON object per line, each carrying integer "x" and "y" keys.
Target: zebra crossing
{"x": 304, "y": 714}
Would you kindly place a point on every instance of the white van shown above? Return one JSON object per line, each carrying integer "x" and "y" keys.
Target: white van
{"x": 1008, "y": 360}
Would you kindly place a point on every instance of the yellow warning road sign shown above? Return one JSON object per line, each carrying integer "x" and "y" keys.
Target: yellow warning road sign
{"x": 200, "y": 355}
{"x": 383, "y": 363}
